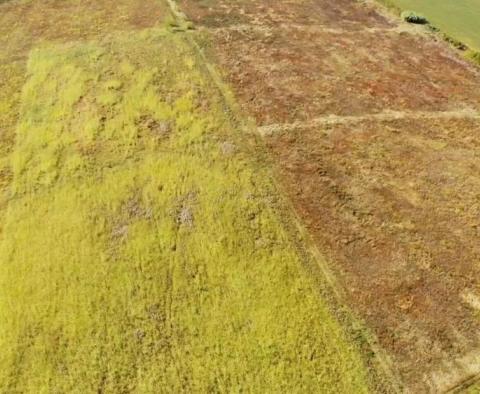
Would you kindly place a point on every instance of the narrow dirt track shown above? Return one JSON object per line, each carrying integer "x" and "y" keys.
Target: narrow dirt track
{"x": 270, "y": 129}
{"x": 374, "y": 129}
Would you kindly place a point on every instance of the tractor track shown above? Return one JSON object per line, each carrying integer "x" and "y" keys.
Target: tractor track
{"x": 273, "y": 129}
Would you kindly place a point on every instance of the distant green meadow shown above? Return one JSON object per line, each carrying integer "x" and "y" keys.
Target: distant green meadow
{"x": 459, "y": 19}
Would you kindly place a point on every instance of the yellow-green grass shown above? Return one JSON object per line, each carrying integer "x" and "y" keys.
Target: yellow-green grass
{"x": 25, "y": 24}
{"x": 475, "y": 389}
{"x": 142, "y": 249}
{"x": 458, "y": 18}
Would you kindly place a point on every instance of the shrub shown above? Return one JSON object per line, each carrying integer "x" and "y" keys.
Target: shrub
{"x": 413, "y": 17}
{"x": 456, "y": 43}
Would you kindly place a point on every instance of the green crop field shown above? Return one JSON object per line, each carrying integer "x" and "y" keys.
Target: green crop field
{"x": 141, "y": 245}
{"x": 474, "y": 389}
{"x": 458, "y": 18}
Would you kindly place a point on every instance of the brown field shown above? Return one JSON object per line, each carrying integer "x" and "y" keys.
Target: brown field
{"x": 292, "y": 73}
{"x": 394, "y": 205}
{"x": 225, "y": 13}
{"x": 373, "y": 126}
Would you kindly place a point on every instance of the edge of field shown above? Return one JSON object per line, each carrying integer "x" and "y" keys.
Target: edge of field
{"x": 470, "y": 385}
{"x": 382, "y": 374}
{"x": 461, "y": 48}
{"x": 384, "y": 377}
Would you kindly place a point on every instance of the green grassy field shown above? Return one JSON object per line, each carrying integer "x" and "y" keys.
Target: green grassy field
{"x": 457, "y": 18}
{"x": 141, "y": 245}
{"x": 475, "y": 389}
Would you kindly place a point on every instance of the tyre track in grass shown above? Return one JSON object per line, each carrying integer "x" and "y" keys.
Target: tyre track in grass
{"x": 272, "y": 129}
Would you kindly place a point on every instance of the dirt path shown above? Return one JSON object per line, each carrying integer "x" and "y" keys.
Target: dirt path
{"x": 373, "y": 126}
{"x": 272, "y": 129}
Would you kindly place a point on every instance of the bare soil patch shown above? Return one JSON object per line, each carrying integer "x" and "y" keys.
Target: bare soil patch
{"x": 296, "y": 73}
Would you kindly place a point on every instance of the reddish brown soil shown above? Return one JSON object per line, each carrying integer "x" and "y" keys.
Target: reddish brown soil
{"x": 295, "y": 73}
{"x": 394, "y": 204}
{"x": 223, "y": 13}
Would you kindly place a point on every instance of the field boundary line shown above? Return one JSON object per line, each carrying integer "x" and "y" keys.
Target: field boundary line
{"x": 314, "y": 261}
{"x": 383, "y": 375}
{"x": 242, "y": 27}
{"x": 275, "y": 128}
